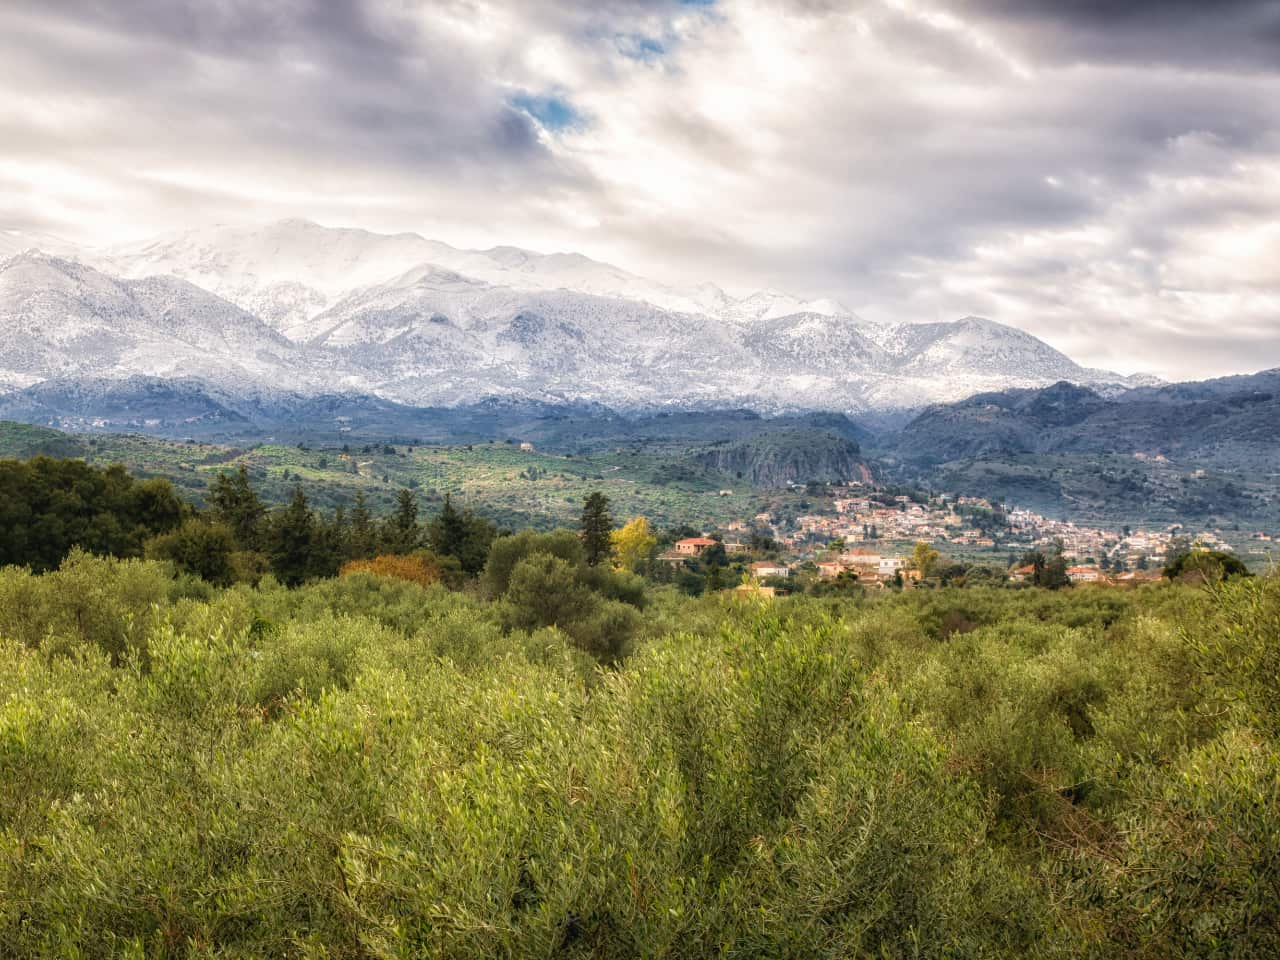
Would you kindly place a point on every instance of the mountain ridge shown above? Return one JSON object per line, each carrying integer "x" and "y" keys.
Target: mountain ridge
{"x": 1209, "y": 420}
{"x": 298, "y": 306}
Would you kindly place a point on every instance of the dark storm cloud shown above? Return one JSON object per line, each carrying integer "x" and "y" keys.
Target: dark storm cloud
{"x": 1204, "y": 33}
{"x": 337, "y": 75}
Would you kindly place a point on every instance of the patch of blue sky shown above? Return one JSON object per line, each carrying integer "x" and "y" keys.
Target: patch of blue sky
{"x": 638, "y": 46}
{"x": 552, "y": 112}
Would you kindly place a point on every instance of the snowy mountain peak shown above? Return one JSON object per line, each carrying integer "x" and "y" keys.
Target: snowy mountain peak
{"x": 296, "y": 305}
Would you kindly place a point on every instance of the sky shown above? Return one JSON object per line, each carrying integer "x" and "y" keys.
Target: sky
{"x": 1104, "y": 175}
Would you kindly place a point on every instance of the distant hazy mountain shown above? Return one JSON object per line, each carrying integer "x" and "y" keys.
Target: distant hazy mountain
{"x": 1230, "y": 422}
{"x": 299, "y": 307}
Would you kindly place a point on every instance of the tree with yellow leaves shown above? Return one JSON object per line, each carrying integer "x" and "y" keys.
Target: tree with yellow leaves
{"x": 633, "y": 544}
{"x": 925, "y": 559}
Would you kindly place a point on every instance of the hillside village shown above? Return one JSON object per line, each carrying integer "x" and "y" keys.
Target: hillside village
{"x": 870, "y": 535}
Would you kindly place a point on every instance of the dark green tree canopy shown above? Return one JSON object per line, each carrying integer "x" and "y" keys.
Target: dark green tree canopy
{"x": 48, "y": 506}
{"x": 462, "y": 535}
{"x": 293, "y": 541}
{"x": 235, "y": 504}
{"x": 403, "y": 532}
{"x": 198, "y": 548}
{"x": 1209, "y": 565}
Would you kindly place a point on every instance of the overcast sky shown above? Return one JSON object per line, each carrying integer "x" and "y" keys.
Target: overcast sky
{"x": 1105, "y": 175}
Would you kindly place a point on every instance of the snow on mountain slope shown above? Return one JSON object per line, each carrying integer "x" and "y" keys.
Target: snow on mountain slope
{"x": 14, "y": 242}
{"x": 816, "y": 343}
{"x": 60, "y": 318}
{"x": 976, "y": 347}
{"x": 555, "y": 344}
{"x": 525, "y": 270}
{"x": 284, "y": 273}
{"x": 291, "y": 271}
{"x": 297, "y": 306}
{"x": 773, "y": 305}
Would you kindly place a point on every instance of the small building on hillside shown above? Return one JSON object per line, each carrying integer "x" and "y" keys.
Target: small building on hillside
{"x": 767, "y": 568}
{"x": 863, "y": 562}
{"x": 830, "y": 569}
{"x": 890, "y": 566}
{"x": 526, "y": 447}
{"x": 1022, "y": 574}
{"x": 1084, "y": 574}
{"x": 692, "y": 546}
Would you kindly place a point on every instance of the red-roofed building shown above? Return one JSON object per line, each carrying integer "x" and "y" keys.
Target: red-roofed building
{"x": 692, "y": 546}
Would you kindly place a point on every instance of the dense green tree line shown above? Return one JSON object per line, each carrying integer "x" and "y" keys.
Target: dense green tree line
{"x": 47, "y": 506}
{"x": 50, "y": 506}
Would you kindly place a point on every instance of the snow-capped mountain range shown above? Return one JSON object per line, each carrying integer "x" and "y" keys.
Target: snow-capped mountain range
{"x": 300, "y": 307}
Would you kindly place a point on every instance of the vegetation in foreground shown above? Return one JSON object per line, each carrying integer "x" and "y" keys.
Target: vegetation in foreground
{"x": 368, "y": 767}
{"x": 261, "y": 733}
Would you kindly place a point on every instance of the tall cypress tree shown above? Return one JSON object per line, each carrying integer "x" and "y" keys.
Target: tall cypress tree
{"x": 363, "y": 543}
{"x": 333, "y": 540}
{"x": 597, "y": 529}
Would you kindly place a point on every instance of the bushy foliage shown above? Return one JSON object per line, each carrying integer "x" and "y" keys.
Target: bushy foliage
{"x": 506, "y": 552}
{"x": 1205, "y": 565}
{"x": 368, "y": 766}
{"x": 415, "y": 568}
{"x": 204, "y": 550}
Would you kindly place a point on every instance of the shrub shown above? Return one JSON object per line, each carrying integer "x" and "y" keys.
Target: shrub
{"x": 201, "y": 549}
{"x": 506, "y": 552}
{"x": 413, "y": 567}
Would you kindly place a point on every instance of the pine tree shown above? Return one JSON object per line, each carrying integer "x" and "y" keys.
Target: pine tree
{"x": 477, "y": 535}
{"x": 363, "y": 541}
{"x": 333, "y": 541}
{"x": 448, "y": 533}
{"x": 236, "y": 505}
{"x": 403, "y": 533}
{"x": 292, "y": 542}
{"x": 597, "y": 529}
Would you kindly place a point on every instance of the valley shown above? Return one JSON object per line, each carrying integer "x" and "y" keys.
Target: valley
{"x": 722, "y": 472}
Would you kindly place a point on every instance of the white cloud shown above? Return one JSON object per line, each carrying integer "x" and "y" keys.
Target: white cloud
{"x": 915, "y": 160}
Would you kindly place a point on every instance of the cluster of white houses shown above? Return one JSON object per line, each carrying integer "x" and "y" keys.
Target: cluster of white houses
{"x": 872, "y": 567}
{"x": 858, "y": 519}
{"x": 849, "y": 539}
{"x": 866, "y": 520}
{"x": 867, "y": 565}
